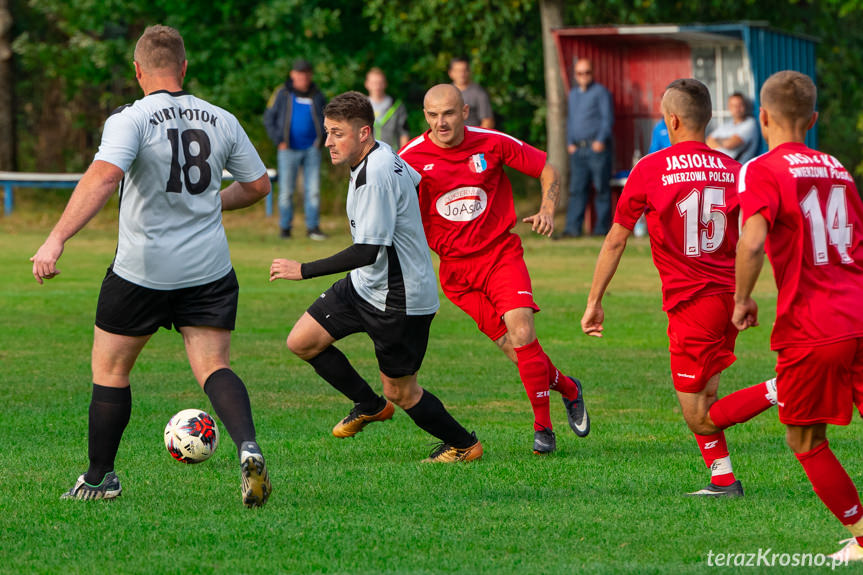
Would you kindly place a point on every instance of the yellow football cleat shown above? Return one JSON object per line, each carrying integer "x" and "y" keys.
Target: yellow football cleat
{"x": 446, "y": 453}
{"x": 356, "y": 420}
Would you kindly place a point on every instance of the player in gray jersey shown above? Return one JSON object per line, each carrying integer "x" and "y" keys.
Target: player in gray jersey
{"x": 172, "y": 266}
{"x": 390, "y": 293}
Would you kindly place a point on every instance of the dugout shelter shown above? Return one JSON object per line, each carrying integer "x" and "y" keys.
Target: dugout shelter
{"x": 636, "y": 63}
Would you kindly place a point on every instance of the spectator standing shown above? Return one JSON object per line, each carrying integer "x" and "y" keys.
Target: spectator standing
{"x": 479, "y": 106}
{"x": 588, "y": 134}
{"x": 391, "y": 117}
{"x": 295, "y": 123}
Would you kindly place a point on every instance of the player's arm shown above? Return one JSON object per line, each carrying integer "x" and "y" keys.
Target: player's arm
{"x": 543, "y": 221}
{"x": 97, "y": 184}
{"x": 747, "y": 268}
{"x": 355, "y": 256}
{"x": 243, "y": 194}
{"x": 606, "y": 265}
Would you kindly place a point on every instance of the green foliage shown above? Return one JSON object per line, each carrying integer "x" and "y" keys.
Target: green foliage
{"x": 240, "y": 52}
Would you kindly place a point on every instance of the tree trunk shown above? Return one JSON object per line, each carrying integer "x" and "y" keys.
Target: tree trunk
{"x": 551, "y": 15}
{"x": 7, "y": 112}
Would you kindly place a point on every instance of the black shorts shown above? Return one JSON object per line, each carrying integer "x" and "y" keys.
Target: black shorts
{"x": 126, "y": 308}
{"x": 400, "y": 340}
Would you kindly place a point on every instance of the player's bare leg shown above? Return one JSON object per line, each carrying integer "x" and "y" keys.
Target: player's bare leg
{"x": 707, "y": 417}
{"x": 209, "y": 351}
{"x": 539, "y": 376}
{"x": 112, "y": 359}
{"x": 430, "y": 415}
{"x": 830, "y": 482}
{"x": 310, "y": 342}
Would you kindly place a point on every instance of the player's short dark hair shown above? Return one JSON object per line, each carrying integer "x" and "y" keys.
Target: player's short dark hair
{"x": 351, "y": 107}
{"x": 159, "y": 48}
{"x": 457, "y": 60}
{"x": 789, "y": 96}
{"x": 690, "y": 100}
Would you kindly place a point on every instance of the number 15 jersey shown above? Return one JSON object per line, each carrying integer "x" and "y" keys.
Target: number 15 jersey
{"x": 173, "y": 148}
{"x": 815, "y": 243}
{"x": 688, "y": 194}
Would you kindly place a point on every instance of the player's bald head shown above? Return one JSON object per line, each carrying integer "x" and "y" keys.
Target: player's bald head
{"x": 160, "y": 48}
{"x": 689, "y": 100}
{"x": 789, "y": 97}
{"x": 445, "y": 95}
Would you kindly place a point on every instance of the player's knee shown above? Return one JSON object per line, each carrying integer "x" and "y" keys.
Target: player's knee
{"x": 701, "y": 424}
{"x": 301, "y": 346}
{"x": 521, "y": 334}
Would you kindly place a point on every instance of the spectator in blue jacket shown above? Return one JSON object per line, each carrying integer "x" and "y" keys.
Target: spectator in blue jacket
{"x": 295, "y": 123}
{"x": 588, "y": 136}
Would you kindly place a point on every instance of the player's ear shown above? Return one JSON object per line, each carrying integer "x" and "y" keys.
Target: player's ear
{"x": 365, "y": 133}
{"x": 763, "y": 117}
{"x": 465, "y": 112}
{"x": 812, "y": 121}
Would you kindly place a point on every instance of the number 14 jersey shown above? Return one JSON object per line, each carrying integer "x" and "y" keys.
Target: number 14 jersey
{"x": 173, "y": 148}
{"x": 815, "y": 243}
{"x": 688, "y": 193}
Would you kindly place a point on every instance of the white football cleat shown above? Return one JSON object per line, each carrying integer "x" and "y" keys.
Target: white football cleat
{"x": 851, "y": 552}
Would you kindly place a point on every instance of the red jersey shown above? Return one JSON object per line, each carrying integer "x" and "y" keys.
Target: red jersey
{"x": 815, "y": 243}
{"x": 465, "y": 195}
{"x": 688, "y": 194}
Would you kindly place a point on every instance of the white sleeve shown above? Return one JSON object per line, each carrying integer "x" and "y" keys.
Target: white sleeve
{"x": 121, "y": 139}
{"x": 244, "y": 163}
{"x": 377, "y": 224}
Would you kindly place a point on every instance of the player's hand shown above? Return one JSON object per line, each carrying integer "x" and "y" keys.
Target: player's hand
{"x": 282, "y": 269}
{"x": 745, "y": 314}
{"x": 541, "y": 223}
{"x": 571, "y": 149}
{"x": 591, "y": 321}
{"x": 597, "y": 146}
{"x": 45, "y": 260}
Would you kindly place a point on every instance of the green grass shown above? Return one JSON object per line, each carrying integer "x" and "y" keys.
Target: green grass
{"x": 611, "y": 503}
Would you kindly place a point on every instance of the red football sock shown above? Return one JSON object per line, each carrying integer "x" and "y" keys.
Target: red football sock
{"x": 533, "y": 370}
{"x": 831, "y": 483}
{"x": 714, "y": 450}
{"x": 741, "y": 405}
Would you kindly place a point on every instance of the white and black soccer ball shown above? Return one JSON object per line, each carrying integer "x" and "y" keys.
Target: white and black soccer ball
{"x": 191, "y": 436}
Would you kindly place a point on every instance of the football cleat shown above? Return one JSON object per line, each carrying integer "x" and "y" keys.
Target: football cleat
{"x": 446, "y": 453}
{"x": 544, "y": 441}
{"x": 733, "y": 490}
{"x": 576, "y": 411}
{"x": 109, "y": 488}
{"x": 357, "y": 420}
{"x": 850, "y": 552}
{"x": 256, "y": 480}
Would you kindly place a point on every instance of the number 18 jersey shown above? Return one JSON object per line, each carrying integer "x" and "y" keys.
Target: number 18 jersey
{"x": 688, "y": 194}
{"x": 173, "y": 148}
{"x": 815, "y": 243}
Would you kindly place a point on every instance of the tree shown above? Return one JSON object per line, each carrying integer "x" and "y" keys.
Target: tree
{"x": 551, "y": 16}
{"x": 7, "y": 112}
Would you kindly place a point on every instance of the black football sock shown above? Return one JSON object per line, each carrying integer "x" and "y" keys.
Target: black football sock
{"x": 110, "y": 408}
{"x": 332, "y": 365}
{"x": 230, "y": 401}
{"x": 431, "y": 416}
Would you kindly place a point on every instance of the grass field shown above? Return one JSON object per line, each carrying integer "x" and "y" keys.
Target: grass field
{"x": 610, "y": 503}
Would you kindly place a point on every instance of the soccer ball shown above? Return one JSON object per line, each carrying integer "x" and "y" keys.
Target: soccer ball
{"x": 191, "y": 436}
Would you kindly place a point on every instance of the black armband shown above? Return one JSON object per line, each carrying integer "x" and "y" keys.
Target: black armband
{"x": 355, "y": 256}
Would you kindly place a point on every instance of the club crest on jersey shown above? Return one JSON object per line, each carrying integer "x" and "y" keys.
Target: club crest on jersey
{"x": 477, "y": 163}
{"x": 462, "y": 204}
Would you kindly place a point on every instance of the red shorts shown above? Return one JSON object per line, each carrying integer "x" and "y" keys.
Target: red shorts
{"x": 489, "y": 284}
{"x": 820, "y": 384}
{"x": 701, "y": 340}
